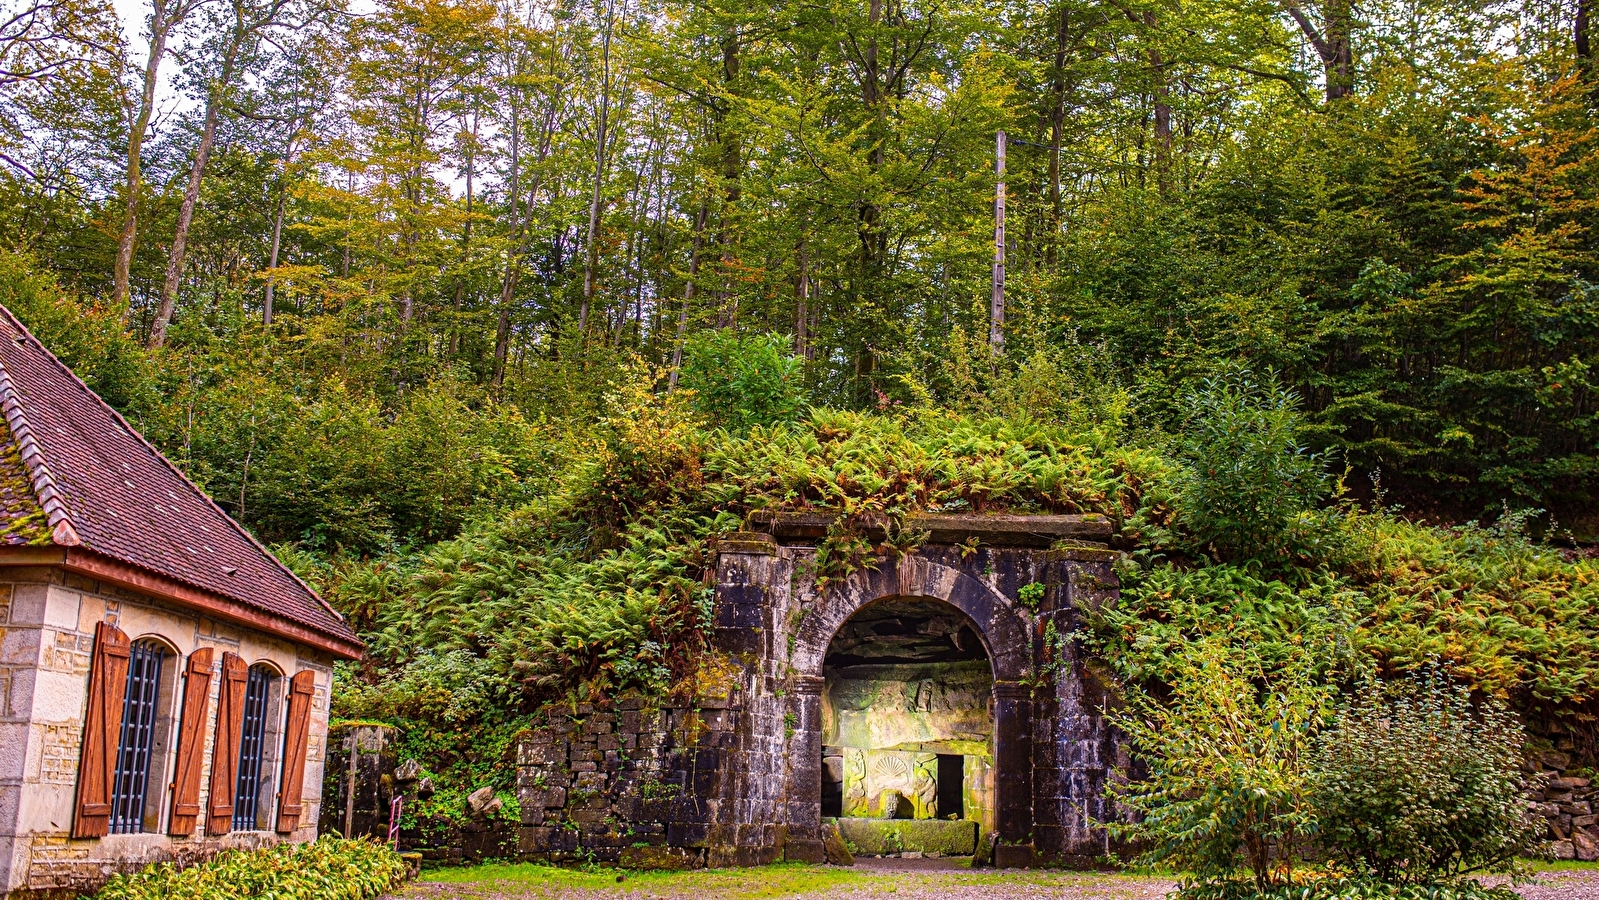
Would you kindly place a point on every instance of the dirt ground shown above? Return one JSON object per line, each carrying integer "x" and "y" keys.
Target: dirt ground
{"x": 886, "y": 879}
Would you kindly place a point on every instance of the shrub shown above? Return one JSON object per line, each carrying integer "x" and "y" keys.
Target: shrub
{"x": 1341, "y": 889}
{"x": 327, "y": 869}
{"x": 1413, "y": 784}
{"x": 1249, "y": 491}
{"x": 743, "y": 380}
{"x": 1227, "y": 758}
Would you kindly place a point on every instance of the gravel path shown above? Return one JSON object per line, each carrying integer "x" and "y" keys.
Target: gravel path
{"x": 889, "y": 879}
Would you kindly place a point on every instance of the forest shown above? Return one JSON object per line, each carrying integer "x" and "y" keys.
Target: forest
{"x": 490, "y": 317}
{"x": 302, "y": 205}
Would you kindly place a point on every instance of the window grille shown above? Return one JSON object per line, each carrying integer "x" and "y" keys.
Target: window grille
{"x": 132, "y": 775}
{"x": 246, "y": 795}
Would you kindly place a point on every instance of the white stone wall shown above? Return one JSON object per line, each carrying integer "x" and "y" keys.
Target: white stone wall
{"x": 47, "y": 622}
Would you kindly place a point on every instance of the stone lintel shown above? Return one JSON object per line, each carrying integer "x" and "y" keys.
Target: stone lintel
{"x": 753, "y": 542}
{"x": 996, "y": 529}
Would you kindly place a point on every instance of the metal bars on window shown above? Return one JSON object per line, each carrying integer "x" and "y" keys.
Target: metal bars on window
{"x": 131, "y": 778}
{"x": 247, "y": 793}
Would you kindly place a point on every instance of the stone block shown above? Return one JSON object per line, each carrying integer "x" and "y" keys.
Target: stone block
{"x": 877, "y": 837}
{"x": 1563, "y": 850}
{"x": 1013, "y": 856}
{"x": 687, "y": 835}
{"x": 668, "y": 859}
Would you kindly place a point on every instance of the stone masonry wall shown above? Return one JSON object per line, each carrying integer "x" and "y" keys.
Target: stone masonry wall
{"x": 627, "y": 784}
{"x": 1568, "y": 798}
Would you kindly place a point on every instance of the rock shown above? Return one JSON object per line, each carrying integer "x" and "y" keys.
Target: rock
{"x": 1565, "y": 783}
{"x": 424, "y": 788}
{"x": 1563, "y": 850}
{"x": 665, "y": 859}
{"x": 410, "y": 770}
{"x": 911, "y": 854}
{"x": 1584, "y": 846}
{"x": 834, "y": 848}
{"x": 480, "y": 801}
{"x": 1554, "y": 759}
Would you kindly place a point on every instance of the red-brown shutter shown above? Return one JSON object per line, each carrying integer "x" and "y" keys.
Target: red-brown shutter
{"x": 296, "y": 739}
{"x": 225, "y": 747}
{"x": 191, "y": 743}
{"x": 102, "y": 730}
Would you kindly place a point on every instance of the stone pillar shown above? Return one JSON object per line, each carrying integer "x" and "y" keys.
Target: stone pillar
{"x": 358, "y": 781}
{"x": 804, "y": 803}
{"x": 1013, "y": 763}
{"x": 743, "y": 573}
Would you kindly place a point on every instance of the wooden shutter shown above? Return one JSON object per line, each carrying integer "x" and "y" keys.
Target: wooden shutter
{"x": 296, "y": 740}
{"x": 225, "y": 747}
{"x": 102, "y": 730}
{"x": 191, "y": 743}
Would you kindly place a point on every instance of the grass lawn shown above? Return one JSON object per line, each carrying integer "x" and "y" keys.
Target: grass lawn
{"x": 871, "y": 880}
{"x": 939, "y": 881}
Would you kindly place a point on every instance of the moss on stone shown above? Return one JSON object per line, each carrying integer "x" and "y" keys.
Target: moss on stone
{"x": 22, "y": 520}
{"x": 877, "y": 837}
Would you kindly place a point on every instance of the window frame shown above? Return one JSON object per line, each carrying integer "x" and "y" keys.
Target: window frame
{"x": 137, "y": 740}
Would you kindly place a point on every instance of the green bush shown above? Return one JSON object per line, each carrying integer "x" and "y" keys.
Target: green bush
{"x": 1341, "y": 889}
{"x": 327, "y": 869}
{"x": 1413, "y": 784}
{"x": 743, "y": 380}
{"x": 1227, "y": 756}
{"x": 1249, "y": 491}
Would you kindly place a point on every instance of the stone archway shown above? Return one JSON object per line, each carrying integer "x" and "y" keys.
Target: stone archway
{"x": 1052, "y": 752}
{"x": 1001, "y": 627}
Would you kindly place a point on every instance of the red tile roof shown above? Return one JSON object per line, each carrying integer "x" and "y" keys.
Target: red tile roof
{"x": 103, "y": 487}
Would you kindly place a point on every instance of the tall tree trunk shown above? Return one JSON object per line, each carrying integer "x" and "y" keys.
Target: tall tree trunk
{"x": 272, "y": 258}
{"x": 802, "y": 296}
{"x": 1162, "y": 104}
{"x": 688, "y": 292}
{"x": 1057, "y": 126}
{"x": 1333, "y": 42}
{"x": 160, "y": 27}
{"x": 731, "y": 160}
{"x": 591, "y": 250}
{"x": 523, "y": 236}
{"x": 180, "y": 237}
{"x": 1581, "y": 36}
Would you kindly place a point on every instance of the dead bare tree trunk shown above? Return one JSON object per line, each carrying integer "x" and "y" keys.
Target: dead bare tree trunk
{"x": 688, "y": 292}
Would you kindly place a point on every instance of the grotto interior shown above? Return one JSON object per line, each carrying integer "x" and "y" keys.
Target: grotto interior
{"x": 907, "y": 728}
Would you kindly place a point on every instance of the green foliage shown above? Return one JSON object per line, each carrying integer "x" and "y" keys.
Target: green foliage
{"x": 1249, "y": 490}
{"x": 1413, "y": 784}
{"x": 1510, "y": 616}
{"x": 742, "y": 380}
{"x": 328, "y": 868}
{"x": 1335, "y": 888}
{"x": 1228, "y": 755}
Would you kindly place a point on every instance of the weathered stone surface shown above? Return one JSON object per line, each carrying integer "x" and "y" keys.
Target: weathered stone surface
{"x": 876, "y": 837}
{"x": 834, "y": 848}
{"x": 659, "y": 858}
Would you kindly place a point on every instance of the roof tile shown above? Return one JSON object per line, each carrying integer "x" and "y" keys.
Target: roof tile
{"x": 97, "y": 483}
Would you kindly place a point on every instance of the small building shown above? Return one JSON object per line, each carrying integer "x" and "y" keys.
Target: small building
{"x": 164, "y": 680}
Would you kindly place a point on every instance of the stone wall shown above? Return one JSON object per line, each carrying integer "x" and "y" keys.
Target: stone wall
{"x": 631, "y": 784}
{"x": 1567, "y": 799}
{"x": 48, "y": 619}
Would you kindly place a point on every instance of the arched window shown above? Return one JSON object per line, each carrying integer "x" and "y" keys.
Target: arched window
{"x": 142, "y": 744}
{"x": 258, "y": 750}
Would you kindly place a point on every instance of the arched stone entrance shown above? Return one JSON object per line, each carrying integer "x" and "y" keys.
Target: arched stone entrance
{"x": 1051, "y": 750}
{"x": 998, "y": 622}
